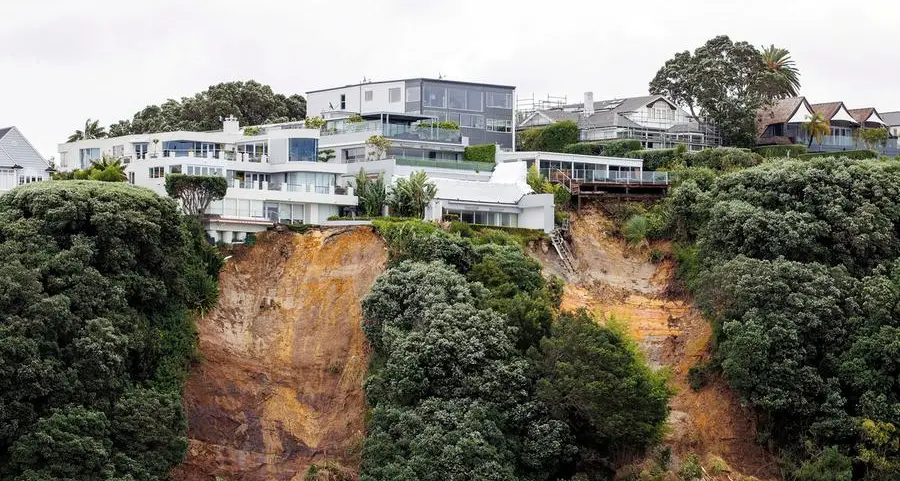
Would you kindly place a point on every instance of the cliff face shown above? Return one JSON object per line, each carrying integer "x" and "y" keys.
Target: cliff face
{"x": 280, "y": 386}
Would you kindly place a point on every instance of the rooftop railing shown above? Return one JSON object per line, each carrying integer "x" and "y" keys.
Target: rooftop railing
{"x": 447, "y": 164}
{"x": 602, "y": 176}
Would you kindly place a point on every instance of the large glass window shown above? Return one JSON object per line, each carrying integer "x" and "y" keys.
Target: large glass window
{"x": 456, "y": 98}
{"x": 499, "y": 125}
{"x": 471, "y": 120}
{"x": 473, "y": 100}
{"x": 356, "y": 154}
{"x": 394, "y": 95}
{"x": 86, "y": 156}
{"x": 498, "y": 100}
{"x": 435, "y": 96}
{"x": 436, "y": 115}
{"x": 413, "y": 94}
{"x": 302, "y": 150}
{"x": 140, "y": 150}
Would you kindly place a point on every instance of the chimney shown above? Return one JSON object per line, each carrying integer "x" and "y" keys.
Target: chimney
{"x": 588, "y": 104}
{"x": 230, "y": 125}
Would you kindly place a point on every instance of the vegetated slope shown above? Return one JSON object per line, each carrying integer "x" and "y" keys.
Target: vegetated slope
{"x": 280, "y": 387}
{"x": 615, "y": 282}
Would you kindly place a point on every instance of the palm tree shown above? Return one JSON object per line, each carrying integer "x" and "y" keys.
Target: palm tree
{"x": 108, "y": 169}
{"x": 410, "y": 196}
{"x": 816, "y": 127}
{"x": 92, "y": 130}
{"x": 782, "y": 70}
{"x": 371, "y": 193}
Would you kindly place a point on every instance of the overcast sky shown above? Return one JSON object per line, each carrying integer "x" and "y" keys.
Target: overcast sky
{"x": 62, "y": 61}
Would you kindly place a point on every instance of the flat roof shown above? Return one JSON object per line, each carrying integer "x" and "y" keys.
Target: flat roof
{"x": 458, "y": 82}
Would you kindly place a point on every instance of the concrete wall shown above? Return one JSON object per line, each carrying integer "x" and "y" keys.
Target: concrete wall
{"x": 355, "y": 99}
{"x": 537, "y": 212}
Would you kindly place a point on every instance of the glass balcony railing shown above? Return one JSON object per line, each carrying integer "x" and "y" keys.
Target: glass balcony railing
{"x": 424, "y": 133}
{"x": 447, "y": 164}
{"x": 373, "y": 126}
{"x": 580, "y": 175}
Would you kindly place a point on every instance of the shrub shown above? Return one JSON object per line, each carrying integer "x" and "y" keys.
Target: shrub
{"x": 850, "y": 154}
{"x": 480, "y": 153}
{"x": 656, "y": 256}
{"x": 690, "y": 469}
{"x": 552, "y": 138}
{"x": 461, "y": 228}
{"x": 250, "y": 239}
{"x": 583, "y": 148}
{"x": 830, "y": 465}
{"x": 699, "y": 375}
{"x": 635, "y": 230}
{"x": 654, "y": 159}
{"x": 444, "y": 124}
{"x": 724, "y": 158}
{"x": 620, "y": 147}
{"x": 776, "y": 151}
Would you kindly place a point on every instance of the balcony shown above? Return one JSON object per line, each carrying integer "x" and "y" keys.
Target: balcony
{"x": 256, "y": 185}
{"x": 447, "y": 164}
{"x": 422, "y": 133}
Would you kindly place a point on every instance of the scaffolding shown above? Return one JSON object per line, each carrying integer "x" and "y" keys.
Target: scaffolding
{"x": 526, "y": 106}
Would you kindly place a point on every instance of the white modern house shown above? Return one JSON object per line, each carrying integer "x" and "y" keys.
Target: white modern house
{"x": 291, "y": 174}
{"x": 20, "y": 162}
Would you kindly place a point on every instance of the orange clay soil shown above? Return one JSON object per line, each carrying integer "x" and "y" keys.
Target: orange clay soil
{"x": 284, "y": 357}
{"x": 617, "y": 282}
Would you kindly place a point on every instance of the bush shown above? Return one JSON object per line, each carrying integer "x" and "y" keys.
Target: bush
{"x": 690, "y": 469}
{"x": 635, "y": 230}
{"x": 583, "y": 148}
{"x": 552, "y": 138}
{"x": 480, "y": 153}
{"x": 250, "y": 239}
{"x": 461, "y": 228}
{"x": 654, "y": 159}
{"x": 618, "y": 148}
{"x": 699, "y": 375}
{"x": 724, "y": 158}
{"x": 850, "y": 154}
{"x": 777, "y": 151}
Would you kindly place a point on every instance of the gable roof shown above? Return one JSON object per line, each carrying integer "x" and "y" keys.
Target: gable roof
{"x": 868, "y": 114}
{"x": 782, "y": 111}
{"x": 4, "y": 131}
{"x": 892, "y": 119}
{"x": 607, "y": 113}
{"x": 830, "y": 110}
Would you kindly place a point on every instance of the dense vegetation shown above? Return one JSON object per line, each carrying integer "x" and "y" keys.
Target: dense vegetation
{"x": 251, "y": 102}
{"x": 96, "y": 336}
{"x": 476, "y": 375}
{"x": 480, "y": 153}
{"x": 797, "y": 264}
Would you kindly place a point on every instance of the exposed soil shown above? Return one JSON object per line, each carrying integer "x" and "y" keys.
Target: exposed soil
{"x": 280, "y": 386}
{"x": 618, "y": 282}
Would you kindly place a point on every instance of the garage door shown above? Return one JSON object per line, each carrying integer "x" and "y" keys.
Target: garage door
{"x": 7, "y": 179}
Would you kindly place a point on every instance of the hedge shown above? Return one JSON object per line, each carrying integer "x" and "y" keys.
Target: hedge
{"x": 654, "y": 159}
{"x": 724, "y": 158}
{"x": 620, "y": 147}
{"x": 776, "y": 151}
{"x": 850, "y": 154}
{"x": 480, "y": 153}
{"x": 583, "y": 148}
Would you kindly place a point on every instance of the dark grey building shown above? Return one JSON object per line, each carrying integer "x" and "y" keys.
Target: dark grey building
{"x": 484, "y": 112}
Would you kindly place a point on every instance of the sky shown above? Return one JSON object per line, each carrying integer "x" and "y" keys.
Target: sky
{"x": 62, "y": 61}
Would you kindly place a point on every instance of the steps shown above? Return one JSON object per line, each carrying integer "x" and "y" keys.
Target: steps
{"x": 562, "y": 249}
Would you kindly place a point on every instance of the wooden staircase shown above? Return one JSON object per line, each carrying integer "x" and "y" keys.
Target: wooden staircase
{"x": 557, "y": 237}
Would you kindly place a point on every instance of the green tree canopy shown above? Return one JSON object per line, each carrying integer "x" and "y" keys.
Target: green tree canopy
{"x": 196, "y": 192}
{"x": 95, "y": 336}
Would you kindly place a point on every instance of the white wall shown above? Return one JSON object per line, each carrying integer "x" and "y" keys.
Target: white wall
{"x": 318, "y": 102}
{"x": 537, "y": 212}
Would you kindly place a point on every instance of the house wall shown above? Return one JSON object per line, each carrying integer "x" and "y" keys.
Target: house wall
{"x": 537, "y": 212}
{"x": 432, "y": 105}
{"x": 16, "y": 150}
{"x": 355, "y": 99}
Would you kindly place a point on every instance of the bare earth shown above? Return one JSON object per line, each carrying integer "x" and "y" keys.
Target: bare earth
{"x": 616, "y": 282}
{"x": 280, "y": 386}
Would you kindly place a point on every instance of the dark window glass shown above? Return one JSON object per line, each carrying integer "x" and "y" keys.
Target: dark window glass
{"x": 302, "y": 150}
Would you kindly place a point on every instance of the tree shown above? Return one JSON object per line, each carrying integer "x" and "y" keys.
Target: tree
{"x": 250, "y": 102}
{"x": 325, "y": 155}
{"x": 92, "y": 130}
{"x": 409, "y": 197}
{"x": 95, "y": 334}
{"x": 784, "y": 78}
{"x": 314, "y": 123}
{"x": 873, "y": 137}
{"x": 195, "y": 192}
{"x": 816, "y": 127}
{"x": 372, "y": 193}
{"x": 379, "y": 145}
{"x": 725, "y": 80}
{"x": 593, "y": 379}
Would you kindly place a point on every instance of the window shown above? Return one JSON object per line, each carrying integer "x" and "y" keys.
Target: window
{"x": 436, "y": 115}
{"x": 157, "y": 172}
{"x": 29, "y": 179}
{"x": 499, "y": 125}
{"x": 63, "y": 159}
{"x": 471, "y": 120}
{"x": 175, "y": 169}
{"x": 302, "y": 150}
{"x": 498, "y": 100}
{"x": 343, "y": 102}
{"x": 118, "y": 151}
{"x": 473, "y": 100}
{"x": 140, "y": 150}
{"x": 435, "y": 96}
{"x": 368, "y": 95}
{"x": 413, "y": 94}
{"x": 131, "y": 177}
{"x": 356, "y": 154}
{"x": 456, "y": 99}
{"x": 394, "y": 95}
{"x": 203, "y": 170}
{"x": 85, "y": 156}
